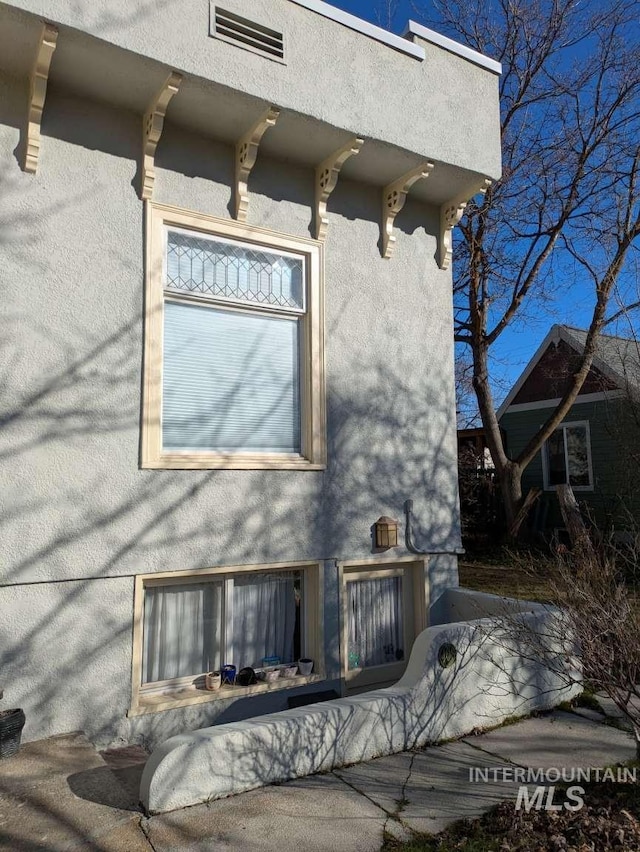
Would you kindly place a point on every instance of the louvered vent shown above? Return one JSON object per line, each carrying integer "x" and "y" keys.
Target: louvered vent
{"x": 248, "y": 34}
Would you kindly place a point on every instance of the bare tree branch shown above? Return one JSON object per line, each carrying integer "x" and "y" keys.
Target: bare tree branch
{"x": 566, "y": 209}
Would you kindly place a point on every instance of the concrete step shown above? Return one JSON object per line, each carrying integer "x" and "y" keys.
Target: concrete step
{"x": 59, "y": 794}
{"x": 127, "y": 764}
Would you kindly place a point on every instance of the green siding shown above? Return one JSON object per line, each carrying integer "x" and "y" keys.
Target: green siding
{"x": 615, "y": 458}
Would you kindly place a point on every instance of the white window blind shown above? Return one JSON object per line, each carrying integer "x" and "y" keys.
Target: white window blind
{"x": 231, "y": 380}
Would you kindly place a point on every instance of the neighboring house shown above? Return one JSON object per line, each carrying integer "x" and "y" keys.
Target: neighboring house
{"x": 213, "y": 385}
{"x": 473, "y": 450}
{"x": 596, "y": 448}
{"x": 481, "y": 513}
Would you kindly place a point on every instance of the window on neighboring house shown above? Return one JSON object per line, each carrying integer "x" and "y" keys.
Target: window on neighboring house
{"x": 187, "y": 626}
{"x": 567, "y": 457}
{"x": 234, "y": 358}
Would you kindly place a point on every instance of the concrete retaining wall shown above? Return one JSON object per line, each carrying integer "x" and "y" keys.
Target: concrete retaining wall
{"x": 488, "y": 682}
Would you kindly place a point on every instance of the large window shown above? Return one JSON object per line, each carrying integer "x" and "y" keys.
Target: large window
{"x": 188, "y": 625}
{"x": 194, "y": 628}
{"x": 234, "y": 360}
{"x": 567, "y": 457}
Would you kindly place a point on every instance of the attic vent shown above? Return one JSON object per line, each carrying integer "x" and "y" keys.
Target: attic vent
{"x": 247, "y": 34}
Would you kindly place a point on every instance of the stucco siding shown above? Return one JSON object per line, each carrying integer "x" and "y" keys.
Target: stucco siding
{"x": 73, "y": 275}
{"x": 80, "y": 519}
{"x": 340, "y": 90}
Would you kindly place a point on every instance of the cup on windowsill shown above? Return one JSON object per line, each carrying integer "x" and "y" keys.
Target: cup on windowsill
{"x": 289, "y": 671}
{"x": 305, "y": 666}
{"x": 212, "y": 680}
{"x": 228, "y": 673}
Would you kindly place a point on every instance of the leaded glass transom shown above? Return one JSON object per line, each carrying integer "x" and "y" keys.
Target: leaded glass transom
{"x": 233, "y": 272}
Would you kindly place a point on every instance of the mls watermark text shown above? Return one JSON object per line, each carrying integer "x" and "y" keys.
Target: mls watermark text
{"x": 546, "y": 795}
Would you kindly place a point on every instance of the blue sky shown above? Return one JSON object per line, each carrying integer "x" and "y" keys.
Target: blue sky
{"x": 519, "y": 342}
{"x": 368, "y": 10}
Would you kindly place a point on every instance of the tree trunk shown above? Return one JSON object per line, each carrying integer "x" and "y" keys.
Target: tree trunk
{"x": 514, "y": 530}
{"x": 572, "y": 518}
{"x": 509, "y": 473}
{"x": 510, "y": 478}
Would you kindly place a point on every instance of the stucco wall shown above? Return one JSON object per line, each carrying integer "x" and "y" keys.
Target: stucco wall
{"x": 79, "y": 519}
{"x": 66, "y": 660}
{"x": 498, "y": 671}
{"x": 358, "y": 83}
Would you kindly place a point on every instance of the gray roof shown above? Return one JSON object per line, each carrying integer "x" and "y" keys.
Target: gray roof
{"x": 618, "y": 356}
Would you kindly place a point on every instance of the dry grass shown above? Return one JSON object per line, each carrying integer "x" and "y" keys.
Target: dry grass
{"x": 608, "y": 822}
{"x": 506, "y": 577}
{"x": 514, "y": 577}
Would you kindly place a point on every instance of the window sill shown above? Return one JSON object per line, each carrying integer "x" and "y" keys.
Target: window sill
{"x": 551, "y": 488}
{"x": 172, "y": 699}
{"x": 203, "y": 462}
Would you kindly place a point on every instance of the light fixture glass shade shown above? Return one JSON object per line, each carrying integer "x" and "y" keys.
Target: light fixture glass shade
{"x": 386, "y": 533}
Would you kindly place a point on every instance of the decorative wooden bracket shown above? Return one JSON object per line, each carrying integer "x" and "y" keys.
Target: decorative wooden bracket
{"x": 327, "y": 175}
{"x": 37, "y": 95}
{"x": 450, "y": 215}
{"x": 246, "y": 154}
{"x": 394, "y": 196}
{"x": 153, "y": 124}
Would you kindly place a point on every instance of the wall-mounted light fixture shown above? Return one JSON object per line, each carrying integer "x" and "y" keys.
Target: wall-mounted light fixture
{"x": 386, "y": 533}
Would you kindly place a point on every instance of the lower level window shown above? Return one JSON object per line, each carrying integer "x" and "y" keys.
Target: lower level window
{"x": 567, "y": 457}
{"x": 244, "y": 619}
{"x": 376, "y": 623}
{"x": 383, "y": 609}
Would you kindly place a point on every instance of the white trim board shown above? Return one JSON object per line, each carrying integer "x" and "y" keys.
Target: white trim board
{"x": 552, "y": 403}
{"x": 364, "y": 27}
{"x": 403, "y": 43}
{"x": 433, "y": 37}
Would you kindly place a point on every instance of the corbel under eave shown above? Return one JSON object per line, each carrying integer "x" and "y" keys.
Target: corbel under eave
{"x": 327, "y": 174}
{"x": 152, "y": 127}
{"x": 450, "y": 215}
{"x": 37, "y": 96}
{"x": 394, "y": 196}
{"x": 246, "y": 154}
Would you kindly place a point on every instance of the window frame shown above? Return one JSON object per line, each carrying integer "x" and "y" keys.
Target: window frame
{"x": 182, "y": 691}
{"x": 545, "y": 456}
{"x": 159, "y": 218}
{"x": 415, "y": 588}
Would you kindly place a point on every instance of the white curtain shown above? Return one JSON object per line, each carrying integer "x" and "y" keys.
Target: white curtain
{"x": 264, "y": 618}
{"x": 182, "y": 630}
{"x": 375, "y": 622}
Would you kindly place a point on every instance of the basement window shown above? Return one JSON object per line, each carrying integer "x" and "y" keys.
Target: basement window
{"x": 189, "y": 623}
{"x": 249, "y": 35}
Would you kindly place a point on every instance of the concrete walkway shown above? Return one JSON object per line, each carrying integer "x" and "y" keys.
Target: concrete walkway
{"x": 60, "y": 794}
